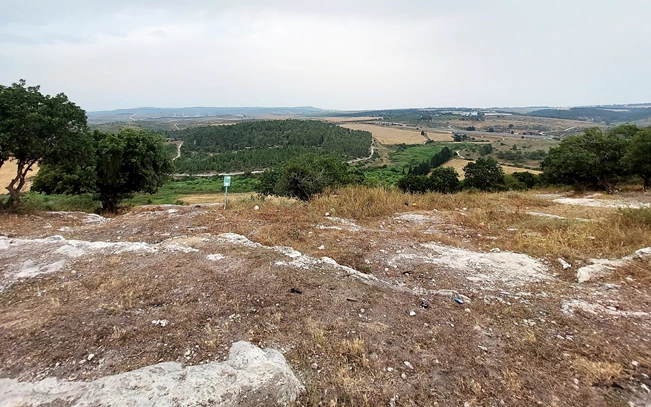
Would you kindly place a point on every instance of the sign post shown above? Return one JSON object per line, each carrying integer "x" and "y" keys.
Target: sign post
{"x": 227, "y": 183}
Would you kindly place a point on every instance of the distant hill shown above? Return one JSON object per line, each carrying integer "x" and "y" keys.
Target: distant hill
{"x": 605, "y": 114}
{"x": 148, "y": 113}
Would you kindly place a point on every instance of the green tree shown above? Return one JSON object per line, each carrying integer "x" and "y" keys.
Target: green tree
{"x": 414, "y": 184}
{"x": 69, "y": 179}
{"x": 485, "y": 174}
{"x": 129, "y": 162}
{"x": 528, "y": 179}
{"x": 37, "y": 128}
{"x": 444, "y": 180}
{"x": 592, "y": 159}
{"x": 306, "y": 175}
{"x": 638, "y": 155}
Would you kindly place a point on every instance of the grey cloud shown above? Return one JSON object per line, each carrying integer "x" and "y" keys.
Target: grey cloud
{"x": 337, "y": 54}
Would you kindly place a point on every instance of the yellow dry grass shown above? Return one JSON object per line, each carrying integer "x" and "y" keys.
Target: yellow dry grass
{"x": 8, "y": 173}
{"x": 232, "y": 198}
{"x": 391, "y": 135}
{"x": 459, "y": 163}
{"x": 504, "y": 216}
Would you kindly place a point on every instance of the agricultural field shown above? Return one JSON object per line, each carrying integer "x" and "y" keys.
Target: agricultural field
{"x": 513, "y": 151}
{"x": 521, "y": 124}
{"x": 335, "y": 119}
{"x": 393, "y": 135}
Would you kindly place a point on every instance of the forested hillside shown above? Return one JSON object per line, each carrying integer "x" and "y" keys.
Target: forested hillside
{"x": 262, "y": 144}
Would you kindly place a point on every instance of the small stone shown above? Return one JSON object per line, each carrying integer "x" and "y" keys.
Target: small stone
{"x": 404, "y": 376}
{"x": 314, "y": 366}
{"x": 327, "y": 214}
{"x": 409, "y": 365}
{"x": 635, "y": 363}
{"x": 389, "y": 369}
{"x": 188, "y": 352}
{"x": 322, "y": 247}
{"x": 564, "y": 264}
{"x": 412, "y": 313}
{"x": 485, "y": 349}
{"x": 90, "y": 357}
{"x": 256, "y": 208}
{"x": 496, "y": 250}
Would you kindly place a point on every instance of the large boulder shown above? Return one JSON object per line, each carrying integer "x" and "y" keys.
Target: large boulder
{"x": 250, "y": 377}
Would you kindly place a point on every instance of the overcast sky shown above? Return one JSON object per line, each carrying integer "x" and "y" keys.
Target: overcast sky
{"x": 338, "y": 54}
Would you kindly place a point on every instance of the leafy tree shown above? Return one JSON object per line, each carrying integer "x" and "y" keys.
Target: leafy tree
{"x": 485, "y": 149}
{"x": 37, "y": 128}
{"x": 70, "y": 179}
{"x": 129, "y": 162}
{"x": 528, "y": 179}
{"x": 414, "y": 184}
{"x": 307, "y": 175}
{"x": 593, "y": 159}
{"x": 485, "y": 174}
{"x": 264, "y": 144}
{"x": 441, "y": 158}
{"x": 421, "y": 169}
{"x": 638, "y": 155}
{"x": 444, "y": 180}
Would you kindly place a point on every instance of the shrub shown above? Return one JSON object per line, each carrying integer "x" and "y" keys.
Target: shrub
{"x": 307, "y": 175}
{"x": 414, "y": 184}
{"x": 444, "y": 180}
{"x": 484, "y": 174}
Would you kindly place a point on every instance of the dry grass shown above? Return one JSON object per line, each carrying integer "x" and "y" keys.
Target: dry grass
{"x": 237, "y": 199}
{"x": 522, "y": 123}
{"x": 598, "y": 373}
{"x": 366, "y": 202}
{"x": 392, "y": 135}
{"x": 346, "y": 356}
{"x": 459, "y": 163}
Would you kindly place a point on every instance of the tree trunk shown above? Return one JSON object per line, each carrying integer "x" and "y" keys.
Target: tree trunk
{"x": 16, "y": 186}
{"x": 646, "y": 183}
{"x": 110, "y": 203}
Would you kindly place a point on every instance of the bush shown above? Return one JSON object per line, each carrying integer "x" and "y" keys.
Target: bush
{"x": 414, "y": 184}
{"x": 444, "y": 180}
{"x": 484, "y": 174}
{"x": 307, "y": 175}
{"x": 511, "y": 183}
{"x": 529, "y": 179}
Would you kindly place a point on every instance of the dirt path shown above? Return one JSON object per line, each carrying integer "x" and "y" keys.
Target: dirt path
{"x": 179, "y": 144}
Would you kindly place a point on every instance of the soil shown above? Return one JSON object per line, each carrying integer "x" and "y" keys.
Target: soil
{"x": 403, "y": 309}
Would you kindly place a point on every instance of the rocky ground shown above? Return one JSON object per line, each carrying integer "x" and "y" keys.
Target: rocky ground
{"x": 427, "y": 306}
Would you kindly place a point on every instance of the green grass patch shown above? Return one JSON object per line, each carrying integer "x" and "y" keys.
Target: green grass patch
{"x": 414, "y": 155}
{"x": 171, "y": 191}
{"x": 36, "y": 202}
